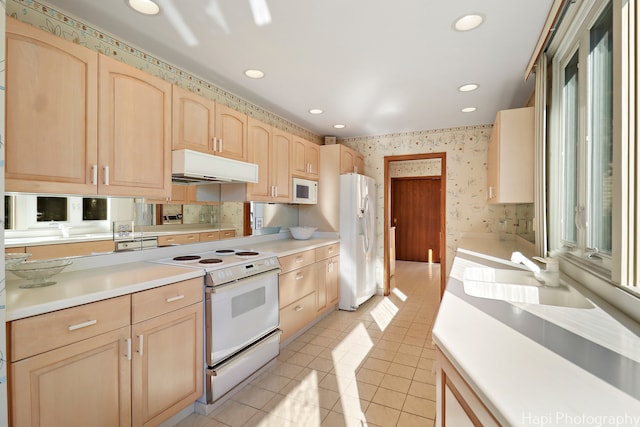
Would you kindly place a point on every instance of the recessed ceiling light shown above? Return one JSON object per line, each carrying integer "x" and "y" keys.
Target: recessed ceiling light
{"x": 254, "y": 74}
{"x": 316, "y": 111}
{"x": 468, "y": 87}
{"x": 468, "y": 109}
{"x": 146, "y": 7}
{"x": 468, "y": 22}
{"x": 339, "y": 126}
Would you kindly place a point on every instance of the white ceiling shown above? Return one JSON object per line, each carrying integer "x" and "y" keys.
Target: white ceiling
{"x": 376, "y": 66}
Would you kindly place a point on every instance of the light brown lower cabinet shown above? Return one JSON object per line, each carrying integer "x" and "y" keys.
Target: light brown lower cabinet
{"x": 69, "y": 249}
{"x": 308, "y": 287}
{"x": 458, "y": 404}
{"x": 131, "y": 360}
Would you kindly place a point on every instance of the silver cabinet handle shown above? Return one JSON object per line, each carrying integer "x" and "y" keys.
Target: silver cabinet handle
{"x": 298, "y": 308}
{"x": 299, "y": 260}
{"x": 128, "y": 348}
{"x": 176, "y": 298}
{"x": 94, "y": 174}
{"x": 106, "y": 175}
{"x": 215, "y": 144}
{"x": 299, "y": 276}
{"x": 140, "y": 343}
{"x": 221, "y": 145}
{"x": 82, "y": 325}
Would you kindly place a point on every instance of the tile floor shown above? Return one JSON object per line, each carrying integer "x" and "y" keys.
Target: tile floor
{"x": 372, "y": 367}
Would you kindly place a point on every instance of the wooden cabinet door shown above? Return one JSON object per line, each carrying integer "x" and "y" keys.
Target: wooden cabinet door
{"x": 347, "y": 160}
{"x": 313, "y": 158}
{"x": 231, "y": 133}
{"x": 359, "y": 164}
{"x": 51, "y": 113}
{"x": 280, "y": 166}
{"x": 193, "y": 121}
{"x": 259, "y": 148}
{"x": 328, "y": 272}
{"x": 298, "y": 157}
{"x": 333, "y": 280}
{"x": 167, "y": 364}
{"x": 493, "y": 162}
{"x": 134, "y": 131}
{"x": 82, "y": 384}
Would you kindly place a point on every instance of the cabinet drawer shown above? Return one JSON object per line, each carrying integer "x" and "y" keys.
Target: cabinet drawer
{"x": 301, "y": 259}
{"x": 297, "y": 315}
{"x": 157, "y": 301}
{"x": 227, "y": 234}
{"x": 37, "y": 334}
{"x": 210, "y": 236}
{"x": 296, "y": 284}
{"x": 327, "y": 251}
{"x": 178, "y": 239}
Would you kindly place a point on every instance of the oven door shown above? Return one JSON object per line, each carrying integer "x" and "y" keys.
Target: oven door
{"x": 240, "y": 313}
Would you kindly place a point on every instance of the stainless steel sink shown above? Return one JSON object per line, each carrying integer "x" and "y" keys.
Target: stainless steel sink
{"x": 519, "y": 286}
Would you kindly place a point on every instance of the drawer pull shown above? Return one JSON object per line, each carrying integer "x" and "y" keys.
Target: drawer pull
{"x": 331, "y": 250}
{"x": 191, "y": 237}
{"x": 299, "y": 260}
{"x": 82, "y": 325}
{"x": 299, "y": 276}
{"x": 176, "y": 298}
{"x": 298, "y": 308}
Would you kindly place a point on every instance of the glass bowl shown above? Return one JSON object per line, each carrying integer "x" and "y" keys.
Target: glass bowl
{"x": 302, "y": 233}
{"x": 38, "y": 272}
{"x": 15, "y": 258}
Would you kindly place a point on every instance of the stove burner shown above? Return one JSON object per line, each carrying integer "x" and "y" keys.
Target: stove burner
{"x": 247, "y": 253}
{"x": 225, "y": 252}
{"x": 210, "y": 261}
{"x": 187, "y": 258}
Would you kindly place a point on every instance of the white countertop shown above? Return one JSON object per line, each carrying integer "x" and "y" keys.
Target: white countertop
{"x": 107, "y": 276}
{"x": 540, "y": 365}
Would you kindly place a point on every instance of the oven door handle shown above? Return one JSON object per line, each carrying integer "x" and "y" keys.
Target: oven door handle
{"x": 220, "y": 368}
{"x": 240, "y": 282}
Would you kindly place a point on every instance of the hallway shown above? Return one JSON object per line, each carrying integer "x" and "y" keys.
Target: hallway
{"x": 373, "y": 367}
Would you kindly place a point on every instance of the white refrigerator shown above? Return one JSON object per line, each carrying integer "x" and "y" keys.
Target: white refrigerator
{"x": 357, "y": 240}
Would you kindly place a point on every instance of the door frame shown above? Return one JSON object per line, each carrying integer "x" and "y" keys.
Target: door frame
{"x": 443, "y": 210}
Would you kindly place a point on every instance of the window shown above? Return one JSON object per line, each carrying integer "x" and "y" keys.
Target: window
{"x": 51, "y": 209}
{"x": 582, "y": 110}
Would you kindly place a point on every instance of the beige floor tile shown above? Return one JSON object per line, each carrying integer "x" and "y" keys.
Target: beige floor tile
{"x": 376, "y": 364}
{"x": 405, "y": 359}
{"x": 383, "y": 354}
{"x": 422, "y": 390}
{"x": 382, "y": 415}
{"x": 300, "y": 359}
{"x": 336, "y": 383}
{"x": 253, "y": 396}
{"x": 271, "y": 382}
{"x": 425, "y": 363}
{"x": 390, "y": 398}
{"x": 320, "y": 364}
{"x": 402, "y": 371}
{"x": 369, "y": 376}
{"x": 351, "y": 406}
{"x": 296, "y": 345}
{"x": 361, "y": 390}
{"x": 233, "y": 414}
{"x": 311, "y": 349}
{"x": 410, "y": 349}
{"x": 396, "y": 383}
{"x": 286, "y": 369}
{"x": 409, "y": 340}
{"x": 265, "y": 419}
{"x": 422, "y": 407}
{"x": 411, "y": 420}
{"x": 321, "y": 341}
{"x": 308, "y": 374}
{"x": 425, "y": 376}
{"x": 197, "y": 420}
{"x": 336, "y": 419}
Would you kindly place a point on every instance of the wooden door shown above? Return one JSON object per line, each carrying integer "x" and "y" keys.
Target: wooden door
{"x": 231, "y": 133}
{"x": 313, "y": 159}
{"x": 281, "y": 166}
{"x": 167, "y": 364}
{"x": 193, "y": 121}
{"x": 78, "y": 385}
{"x": 299, "y": 165}
{"x": 415, "y": 209}
{"x": 51, "y": 113}
{"x": 134, "y": 132}
{"x": 259, "y": 147}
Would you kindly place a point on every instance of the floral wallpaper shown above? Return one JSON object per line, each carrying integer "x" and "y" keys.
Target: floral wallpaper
{"x": 412, "y": 168}
{"x": 49, "y": 19}
{"x": 466, "y": 172}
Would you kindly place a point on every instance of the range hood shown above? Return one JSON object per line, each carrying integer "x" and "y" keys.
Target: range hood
{"x": 193, "y": 167}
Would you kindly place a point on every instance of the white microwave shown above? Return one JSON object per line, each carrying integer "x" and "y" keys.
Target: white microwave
{"x": 305, "y": 191}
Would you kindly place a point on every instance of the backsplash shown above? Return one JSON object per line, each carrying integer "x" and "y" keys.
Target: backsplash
{"x": 67, "y": 27}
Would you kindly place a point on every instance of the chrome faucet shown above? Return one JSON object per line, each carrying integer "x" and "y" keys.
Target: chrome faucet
{"x": 549, "y": 277}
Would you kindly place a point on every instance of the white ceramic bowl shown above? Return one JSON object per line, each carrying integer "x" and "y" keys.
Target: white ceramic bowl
{"x": 302, "y": 233}
{"x": 37, "y": 272}
{"x": 15, "y": 258}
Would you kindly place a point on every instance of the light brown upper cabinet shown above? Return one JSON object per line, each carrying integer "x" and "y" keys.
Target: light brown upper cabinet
{"x": 57, "y": 142}
{"x": 269, "y": 149}
{"x": 510, "y": 157}
{"x": 231, "y": 133}
{"x": 351, "y": 160}
{"x": 134, "y": 131}
{"x": 193, "y": 121}
{"x": 305, "y": 159}
{"x": 51, "y": 112}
